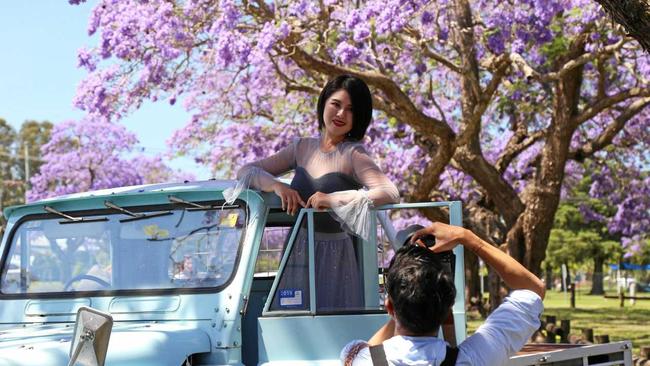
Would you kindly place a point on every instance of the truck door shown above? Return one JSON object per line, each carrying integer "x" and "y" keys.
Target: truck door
{"x": 296, "y": 326}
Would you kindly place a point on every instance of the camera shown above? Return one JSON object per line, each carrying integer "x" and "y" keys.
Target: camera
{"x": 447, "y": 258}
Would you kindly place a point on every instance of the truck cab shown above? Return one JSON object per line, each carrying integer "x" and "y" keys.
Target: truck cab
{"x": 186, "y": 278}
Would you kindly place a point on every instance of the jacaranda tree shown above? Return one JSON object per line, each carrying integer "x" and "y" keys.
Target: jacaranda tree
{"x": 497, "y": 103}
{"x": 94, "y": 154}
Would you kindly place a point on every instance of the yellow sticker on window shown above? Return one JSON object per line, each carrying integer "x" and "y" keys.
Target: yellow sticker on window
{"x": 154, "y": 232}
{"x": 229, "y": 220}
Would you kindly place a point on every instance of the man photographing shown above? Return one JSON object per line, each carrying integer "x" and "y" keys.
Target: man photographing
{"x": 420, "y": 294}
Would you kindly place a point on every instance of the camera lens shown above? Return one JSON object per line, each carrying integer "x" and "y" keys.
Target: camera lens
{"x": 428, "y": 240}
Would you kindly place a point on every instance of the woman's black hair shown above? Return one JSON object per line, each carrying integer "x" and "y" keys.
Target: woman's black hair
{"x": 361, "y": 103}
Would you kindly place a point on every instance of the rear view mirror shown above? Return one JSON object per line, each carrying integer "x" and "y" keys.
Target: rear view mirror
{"x": 90, "y": 338}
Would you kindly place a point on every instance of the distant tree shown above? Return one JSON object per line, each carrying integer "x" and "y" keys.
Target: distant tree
{"x": 154, "y": 170}
{"x": 574, "y": 241}
{"x": 7, "y": 139}
{"x": 94, "y": 154}
{"x": 615, "y": 196}
{"x": 643, "y": 255}
{"x": 32, "y": 134}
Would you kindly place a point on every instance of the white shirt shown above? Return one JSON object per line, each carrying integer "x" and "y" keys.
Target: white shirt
{"x": 504, "y": 333}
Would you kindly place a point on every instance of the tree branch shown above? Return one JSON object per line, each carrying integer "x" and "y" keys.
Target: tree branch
{"x": 435, "y": 103}
{"x": 502, "y": 65}
{"x": 403, "y": 108}
{"x": 608, "y": 102}
{"x": 517, "y": 144}
{"x": 497, "y": 76}
{"x": 418, "y": 40}
{"x": 530, "y": 73}
{"x": 431, "y": 174}
{"x": 607, "y": 135}
{"x": 499, "y": 191}
{"x": 290, "y": 83}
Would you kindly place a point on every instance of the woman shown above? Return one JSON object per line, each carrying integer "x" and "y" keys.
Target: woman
{"x": 330, "y": 172}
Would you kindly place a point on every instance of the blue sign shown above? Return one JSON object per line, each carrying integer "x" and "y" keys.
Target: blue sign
{"x": 631, "y": 267}
{"x": 291, "y": 298}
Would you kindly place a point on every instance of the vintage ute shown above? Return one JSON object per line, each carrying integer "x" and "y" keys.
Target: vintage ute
{"x": 185, "y": 279}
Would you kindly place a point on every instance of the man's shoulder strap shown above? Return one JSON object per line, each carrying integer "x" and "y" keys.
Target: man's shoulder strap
{"x": 450, "y": 357}
{"x": 378, "y": 356}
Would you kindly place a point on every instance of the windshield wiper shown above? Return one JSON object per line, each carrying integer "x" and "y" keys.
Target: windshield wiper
{"x": 193, "y": 206}
{"x": 134, "y": 215}
{"x": 71, "y": 219}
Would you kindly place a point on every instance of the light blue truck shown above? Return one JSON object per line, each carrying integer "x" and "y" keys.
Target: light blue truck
{"x": 189, "y": 280}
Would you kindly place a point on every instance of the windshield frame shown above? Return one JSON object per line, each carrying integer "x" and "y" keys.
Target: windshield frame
{"x": 9, "y": 243}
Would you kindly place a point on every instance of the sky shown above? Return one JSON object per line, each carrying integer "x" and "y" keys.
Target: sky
{"x": 39, "y": 40}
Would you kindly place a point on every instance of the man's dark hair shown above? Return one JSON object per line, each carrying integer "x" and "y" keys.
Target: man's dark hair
{"x": 421, "y": 291}
{"x": 361, "y": 103}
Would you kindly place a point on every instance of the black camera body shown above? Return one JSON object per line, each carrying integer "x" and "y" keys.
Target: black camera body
{"x": 447, "y": 258}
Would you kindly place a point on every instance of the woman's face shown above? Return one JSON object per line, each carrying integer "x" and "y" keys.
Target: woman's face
{"x": 337, "y": 114}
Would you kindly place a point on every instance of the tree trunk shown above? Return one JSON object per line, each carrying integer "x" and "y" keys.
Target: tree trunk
{"x": 494, "y": 286}
{"x": 543, "y": 196}
{"x": 472, "y": 279}
{"x": 597, "y": 287}
{"x": 566, "y": 281}
{"x": 633, "y": 15}
{"x": 549, "y": 279}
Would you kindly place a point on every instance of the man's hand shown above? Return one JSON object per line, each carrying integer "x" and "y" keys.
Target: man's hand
{"x": 447, "y": 236}
{"x": 290, "y": 198}
{"x": 512, "y": 272}
{"x": 319, "y": 201}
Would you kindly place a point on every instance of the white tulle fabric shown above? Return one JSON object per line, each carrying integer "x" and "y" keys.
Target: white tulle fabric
{"x": 351, "y": 208}
{"x": 354, "y": 215}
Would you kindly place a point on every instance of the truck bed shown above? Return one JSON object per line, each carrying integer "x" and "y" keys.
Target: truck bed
{"x": 610, "y": 354}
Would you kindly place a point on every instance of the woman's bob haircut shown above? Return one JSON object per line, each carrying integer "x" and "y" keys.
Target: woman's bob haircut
{"x": 361, "y": 104}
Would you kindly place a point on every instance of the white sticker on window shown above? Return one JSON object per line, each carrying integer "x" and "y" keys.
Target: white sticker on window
{"x": 290, "y": 298}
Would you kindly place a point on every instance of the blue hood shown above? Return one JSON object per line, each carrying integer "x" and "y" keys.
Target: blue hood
{"x": 130, "y": 344}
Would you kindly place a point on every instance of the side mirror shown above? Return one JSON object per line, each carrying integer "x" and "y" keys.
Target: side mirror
{"x": 90, "y": 338}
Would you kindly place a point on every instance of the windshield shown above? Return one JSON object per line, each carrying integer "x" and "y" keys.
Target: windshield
{"x": 183, "y": 249}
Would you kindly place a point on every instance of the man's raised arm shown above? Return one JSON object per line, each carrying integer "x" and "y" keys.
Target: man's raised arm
{"x": 515, "y": 276}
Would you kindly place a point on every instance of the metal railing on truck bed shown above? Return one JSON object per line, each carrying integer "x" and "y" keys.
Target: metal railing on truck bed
{"x": 610, "y": 354}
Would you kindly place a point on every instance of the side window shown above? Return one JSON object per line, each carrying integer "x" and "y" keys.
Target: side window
{"x": 342, "y": 278}
{"x": 293, "y": 289}
{"x": 273, "y": 242}
{"x": 348, "y": 272}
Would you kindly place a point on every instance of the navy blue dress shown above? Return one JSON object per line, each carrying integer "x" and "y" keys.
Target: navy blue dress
{"x": 338, "y": 283}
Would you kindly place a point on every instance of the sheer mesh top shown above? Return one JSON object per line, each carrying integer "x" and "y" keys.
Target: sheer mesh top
{"x": 349, "y": 158}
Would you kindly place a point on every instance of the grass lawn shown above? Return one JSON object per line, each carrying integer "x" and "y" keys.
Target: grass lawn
{"x": 604, "y": 316}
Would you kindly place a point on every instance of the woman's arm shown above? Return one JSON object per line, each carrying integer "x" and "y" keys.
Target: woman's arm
{"x": 380, "y": 189}
{"x": 352, "y": 208}
{"x": 262, "y": 173}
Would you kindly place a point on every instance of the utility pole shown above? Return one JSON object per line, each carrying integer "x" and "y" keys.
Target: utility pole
{"x": 26, "y": 151}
